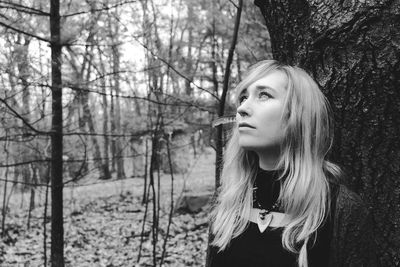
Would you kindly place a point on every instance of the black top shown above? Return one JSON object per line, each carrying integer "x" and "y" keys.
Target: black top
{"x": 254, "y": 249}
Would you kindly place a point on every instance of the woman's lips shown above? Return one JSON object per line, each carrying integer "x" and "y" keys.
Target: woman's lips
{"x": 244, "y": 124}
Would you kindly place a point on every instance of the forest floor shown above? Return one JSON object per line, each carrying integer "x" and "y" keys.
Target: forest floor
{"x": 103, "y": 224}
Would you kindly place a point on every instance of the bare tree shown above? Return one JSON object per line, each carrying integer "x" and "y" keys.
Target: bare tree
{"x": 57, "y": 227}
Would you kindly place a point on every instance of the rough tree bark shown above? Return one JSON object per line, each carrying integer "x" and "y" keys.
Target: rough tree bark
{"x": 352, "y": 49}
{"x": 57, "y": 227}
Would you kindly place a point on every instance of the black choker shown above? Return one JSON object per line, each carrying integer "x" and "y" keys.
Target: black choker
{"x": 256, "y": 204}
{"x": 265, "y": 197}
{"x": 266, "y": 190}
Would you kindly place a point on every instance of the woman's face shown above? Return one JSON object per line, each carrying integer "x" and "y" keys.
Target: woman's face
{"x": 259, "y": 113}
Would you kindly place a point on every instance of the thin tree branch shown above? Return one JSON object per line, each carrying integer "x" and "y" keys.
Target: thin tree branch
{"x": 175, "y": 70}
{"x": 164, "y": 247}
{"x": 24, "y": 32}
{"x": 234, "y": 4}
{"x": 24, "y": 9}
{"x": 23, "y": 119}
{"x": 7, "y": 165}
{"x": 157, "y": 57}
{"x": 105, "y": 8}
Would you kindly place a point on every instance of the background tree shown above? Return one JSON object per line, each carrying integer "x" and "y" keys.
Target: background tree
{"x": 352, "y": 49}
{"x": 57, "y": 215}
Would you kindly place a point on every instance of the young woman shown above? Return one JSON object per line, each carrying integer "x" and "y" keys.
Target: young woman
{"x": 280, "y": 203}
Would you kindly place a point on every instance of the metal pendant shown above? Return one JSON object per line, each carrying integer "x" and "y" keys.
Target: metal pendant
{"x": 264, "y": 219}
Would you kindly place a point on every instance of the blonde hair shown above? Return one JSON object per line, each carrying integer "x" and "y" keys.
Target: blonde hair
{"x": 305, "y": 194}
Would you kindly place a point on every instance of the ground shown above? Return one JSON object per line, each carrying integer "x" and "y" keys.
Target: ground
{"x": 103, "y": 224}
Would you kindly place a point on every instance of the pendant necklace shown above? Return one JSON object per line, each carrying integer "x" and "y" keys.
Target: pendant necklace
{"x": 264, "y": 216}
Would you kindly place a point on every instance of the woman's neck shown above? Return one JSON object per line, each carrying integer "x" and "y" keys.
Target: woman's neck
{"x": 268, "y": 161}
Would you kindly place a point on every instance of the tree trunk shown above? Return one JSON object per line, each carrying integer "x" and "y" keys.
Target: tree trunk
{"x": 221, "y": 110}
{"x": 106, "y": 161}
{"x": 5, "y": 207}
{"x": 87, "y": 117}
{"x": 188, "y": 60}
{"x": 32, "y": 198}
{"x": 116, "y": 112}
{"x": 98, "y": 162}
{"x": 349, "y": 47}
{"x": 113, "y": 147}
{"x": 144, "y": 200}
{"x": 57, "y": 228}
{"x": 23, "y": 75}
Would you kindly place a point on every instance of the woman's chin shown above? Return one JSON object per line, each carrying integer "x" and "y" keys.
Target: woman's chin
{"x": 257, "y": 147}
{"x": 248, "y": 145}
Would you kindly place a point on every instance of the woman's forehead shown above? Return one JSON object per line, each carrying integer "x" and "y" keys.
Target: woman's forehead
{"x": 275, "y": 81}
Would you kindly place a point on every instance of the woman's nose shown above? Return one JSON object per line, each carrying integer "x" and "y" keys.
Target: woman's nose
{"x": 243, "y": 110}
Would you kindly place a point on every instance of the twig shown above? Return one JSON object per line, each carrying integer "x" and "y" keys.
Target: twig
{"x": 234, "y": 4}
{"x": 24, "y": 32}
{"x": 158, "y": 193}
{"x": 172, "y": 203}
{"x": 22, "y": 118}
{"x": 22, "y": 8}
{"x": 143, "y": 224}
{"x": 4, "y": 211}
{"x": 46, "y": 201}
{"x": 153, "y": 159}
{"x": 157, "y": 57}
{"x": 105, "y": 8}
{"x": 145, "y": 172}
{"x": 77, "y": 160}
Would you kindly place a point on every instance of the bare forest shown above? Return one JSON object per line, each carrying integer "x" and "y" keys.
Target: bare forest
{"x": 114, "y": 115}
{"x": 106, "y": 111}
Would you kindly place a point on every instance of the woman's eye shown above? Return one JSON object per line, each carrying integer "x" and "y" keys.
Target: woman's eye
{"x": 264, "y": 95}
{"x": 242, "y": 98}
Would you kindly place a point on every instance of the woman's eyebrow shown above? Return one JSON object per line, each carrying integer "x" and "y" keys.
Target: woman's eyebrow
{"x": 244, "y": 90}
{"x": 264, "y": 87}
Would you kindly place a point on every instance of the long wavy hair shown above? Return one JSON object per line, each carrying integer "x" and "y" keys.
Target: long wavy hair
{"x": 305, "y": 193}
